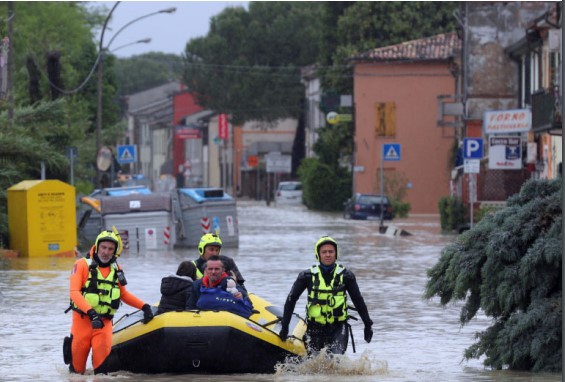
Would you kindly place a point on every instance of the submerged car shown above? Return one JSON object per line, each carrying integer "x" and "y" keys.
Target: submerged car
{"x": 289, "y": 193}
{"x": 368, "y": 207}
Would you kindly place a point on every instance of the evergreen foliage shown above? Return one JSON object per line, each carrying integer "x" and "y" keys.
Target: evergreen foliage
{"x": 509, "y": 266}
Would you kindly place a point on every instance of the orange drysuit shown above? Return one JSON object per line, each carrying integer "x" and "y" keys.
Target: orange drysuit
{"x": 84, "y": 337}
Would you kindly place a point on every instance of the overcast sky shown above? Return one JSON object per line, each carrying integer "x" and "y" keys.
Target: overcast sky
{"x": 169, "y": 33}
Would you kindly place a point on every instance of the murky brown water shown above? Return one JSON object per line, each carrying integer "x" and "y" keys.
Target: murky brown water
{"x": 415, "y": 339}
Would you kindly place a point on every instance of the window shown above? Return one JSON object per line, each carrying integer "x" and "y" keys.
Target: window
{"x": 385, "y": 119}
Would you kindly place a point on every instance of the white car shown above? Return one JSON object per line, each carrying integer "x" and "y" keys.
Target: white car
{"x": 289, "y": 193}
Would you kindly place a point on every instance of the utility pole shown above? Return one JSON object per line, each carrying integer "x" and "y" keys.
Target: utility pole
{"x": 10, "y": 79}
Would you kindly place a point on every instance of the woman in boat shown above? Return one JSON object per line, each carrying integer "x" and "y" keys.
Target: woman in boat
{"x": 210, "y": 292}
{"x": 328, "y": 284}
{"x": 176, "y": 289}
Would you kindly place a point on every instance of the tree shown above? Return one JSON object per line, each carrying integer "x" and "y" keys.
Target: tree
{"x": 367, "y": 25}
{"x": 509, "y": 266}
{"x": 146, "y": 71}
{"x": 249, "y": 63}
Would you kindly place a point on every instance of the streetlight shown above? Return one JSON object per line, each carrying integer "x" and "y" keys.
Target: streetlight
{"x": 101, "y": 52}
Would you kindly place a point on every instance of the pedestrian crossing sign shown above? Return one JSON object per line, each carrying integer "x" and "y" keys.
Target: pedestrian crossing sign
{"x": 391, "y": 151}
{"x": 127, "y": 154}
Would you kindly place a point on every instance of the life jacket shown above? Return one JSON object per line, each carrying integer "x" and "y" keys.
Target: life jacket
{"x": 104, "y": 293}
{"x": 199, "y": 274}
{"x": 219, "y": 299}
{"x": 327, "y": 304}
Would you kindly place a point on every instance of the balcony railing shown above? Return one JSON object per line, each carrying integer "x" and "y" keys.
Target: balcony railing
{"x": 546, "y": 111}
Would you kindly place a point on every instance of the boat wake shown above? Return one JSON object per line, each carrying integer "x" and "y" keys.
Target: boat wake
{"x": 324, "y": 364}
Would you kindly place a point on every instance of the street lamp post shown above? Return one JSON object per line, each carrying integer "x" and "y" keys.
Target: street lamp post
{"x": 100, "y": 69}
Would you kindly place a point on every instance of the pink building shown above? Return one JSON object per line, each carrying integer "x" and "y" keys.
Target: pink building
{"x": 396, "y": 91}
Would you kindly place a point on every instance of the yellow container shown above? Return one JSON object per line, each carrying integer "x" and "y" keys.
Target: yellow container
{"x": 42, "y": 218}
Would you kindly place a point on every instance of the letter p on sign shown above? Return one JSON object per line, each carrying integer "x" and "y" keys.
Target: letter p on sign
{"x": 472, "y": 148}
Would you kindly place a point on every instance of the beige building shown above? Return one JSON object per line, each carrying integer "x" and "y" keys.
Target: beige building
{"x": 396, "y": 90}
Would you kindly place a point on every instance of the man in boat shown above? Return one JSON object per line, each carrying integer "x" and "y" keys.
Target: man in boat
{"x": 211, "y": 291}
{"x": 211, "y": 245}
{"x": 97, "y": 287}
{"x": 328, "y": 284}
{"x": 175, "y": 289}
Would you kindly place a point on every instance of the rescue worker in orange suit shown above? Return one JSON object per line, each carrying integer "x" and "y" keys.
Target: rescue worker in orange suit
{"x": 97, "y": 286}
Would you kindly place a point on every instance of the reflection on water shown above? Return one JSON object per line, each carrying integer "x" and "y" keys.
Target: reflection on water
{"x": 415, "y": 339}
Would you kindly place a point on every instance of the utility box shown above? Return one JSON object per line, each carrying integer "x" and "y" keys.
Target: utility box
{"x": 42, "y": 218}
{"x": 204, "y": 210}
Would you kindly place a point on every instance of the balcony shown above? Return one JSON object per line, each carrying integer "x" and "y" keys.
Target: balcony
{"x": 546, "y": 112}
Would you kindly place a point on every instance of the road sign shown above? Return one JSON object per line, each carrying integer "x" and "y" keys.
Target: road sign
{"x": 279, "y": 163}
{"x": 332, "y": 118}
{"x": 391, "y": 151}
{"x": 71, "y": 152}
{"x": 127, "y": 154}
{"x": 472, "y": 148}
{"x": 471, "y": 166}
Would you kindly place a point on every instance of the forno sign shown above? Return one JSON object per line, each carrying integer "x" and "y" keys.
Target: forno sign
{"x": 507, "y": 121}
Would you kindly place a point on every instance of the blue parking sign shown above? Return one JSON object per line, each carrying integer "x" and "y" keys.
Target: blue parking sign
{"x": 472, "y": 148}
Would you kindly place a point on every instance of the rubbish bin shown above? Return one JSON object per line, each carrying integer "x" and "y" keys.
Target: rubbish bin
{"x": 42, "y": 218}
{"x": 145, "y": 220}
{"x": 205, "y": 210}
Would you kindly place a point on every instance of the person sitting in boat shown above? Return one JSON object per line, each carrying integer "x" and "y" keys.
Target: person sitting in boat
{"x": 211, "y": 245}
{"x": 210, "y": 292}
{"x": 176, "y": 288}
{"x": 328, "y": 284}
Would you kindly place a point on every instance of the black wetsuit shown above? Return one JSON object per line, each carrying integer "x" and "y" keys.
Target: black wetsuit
{"x": 333, "y": 337}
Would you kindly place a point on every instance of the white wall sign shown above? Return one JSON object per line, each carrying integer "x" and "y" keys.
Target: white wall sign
{"x": 507, "y": 121}
{"x": 505, "y": 153}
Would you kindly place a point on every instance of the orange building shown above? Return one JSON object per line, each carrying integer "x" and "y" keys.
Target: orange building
{"x": 396, "y": 90}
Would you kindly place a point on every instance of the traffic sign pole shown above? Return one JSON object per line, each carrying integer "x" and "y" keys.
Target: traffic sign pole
{"x": 472, "y": 151}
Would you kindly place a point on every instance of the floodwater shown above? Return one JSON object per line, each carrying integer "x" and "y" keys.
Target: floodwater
{"x": 415, "y": 339}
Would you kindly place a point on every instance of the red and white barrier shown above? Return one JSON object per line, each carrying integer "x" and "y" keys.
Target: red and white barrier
{"x": 167, "y": 235}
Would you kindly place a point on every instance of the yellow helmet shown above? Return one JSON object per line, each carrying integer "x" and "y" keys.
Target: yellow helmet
{"x": 325, "y": 240}
{"x": 112, "y": 236}
{"x": 208, "y": 239}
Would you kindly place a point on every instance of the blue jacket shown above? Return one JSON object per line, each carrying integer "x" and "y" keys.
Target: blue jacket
{"x": 218, "y": 298}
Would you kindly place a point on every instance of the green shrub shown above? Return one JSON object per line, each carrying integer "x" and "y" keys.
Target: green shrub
{"x": 400, "y": 208}
{"x": 452, "y": 213}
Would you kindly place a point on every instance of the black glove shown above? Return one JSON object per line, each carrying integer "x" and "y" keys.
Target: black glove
{"x": 95, "y": 319}
{"x": 283, "y": 333}
{"x": 368, "y": 334}
{"x": 147, "y": 313}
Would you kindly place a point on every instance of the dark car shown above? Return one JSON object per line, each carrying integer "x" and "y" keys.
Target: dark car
{"x": 368, "y": 207}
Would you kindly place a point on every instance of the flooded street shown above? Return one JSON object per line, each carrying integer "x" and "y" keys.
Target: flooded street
{"x": 415, "y": 339}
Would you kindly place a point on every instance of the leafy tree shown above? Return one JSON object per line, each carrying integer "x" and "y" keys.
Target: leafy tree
{"x": 249, "y": 63}
{"x": 25, "y": 145}
{"x": 53, "y": 45}
{"x": 146, "y": 71}
{"x": 366, "y": 25}
{"x": 509, "y": 266}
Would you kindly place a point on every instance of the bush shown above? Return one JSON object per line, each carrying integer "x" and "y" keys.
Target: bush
{"x": 400, "y": 208}
{"x": 322, "y": 188}
{"x": 452, "y": 213}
